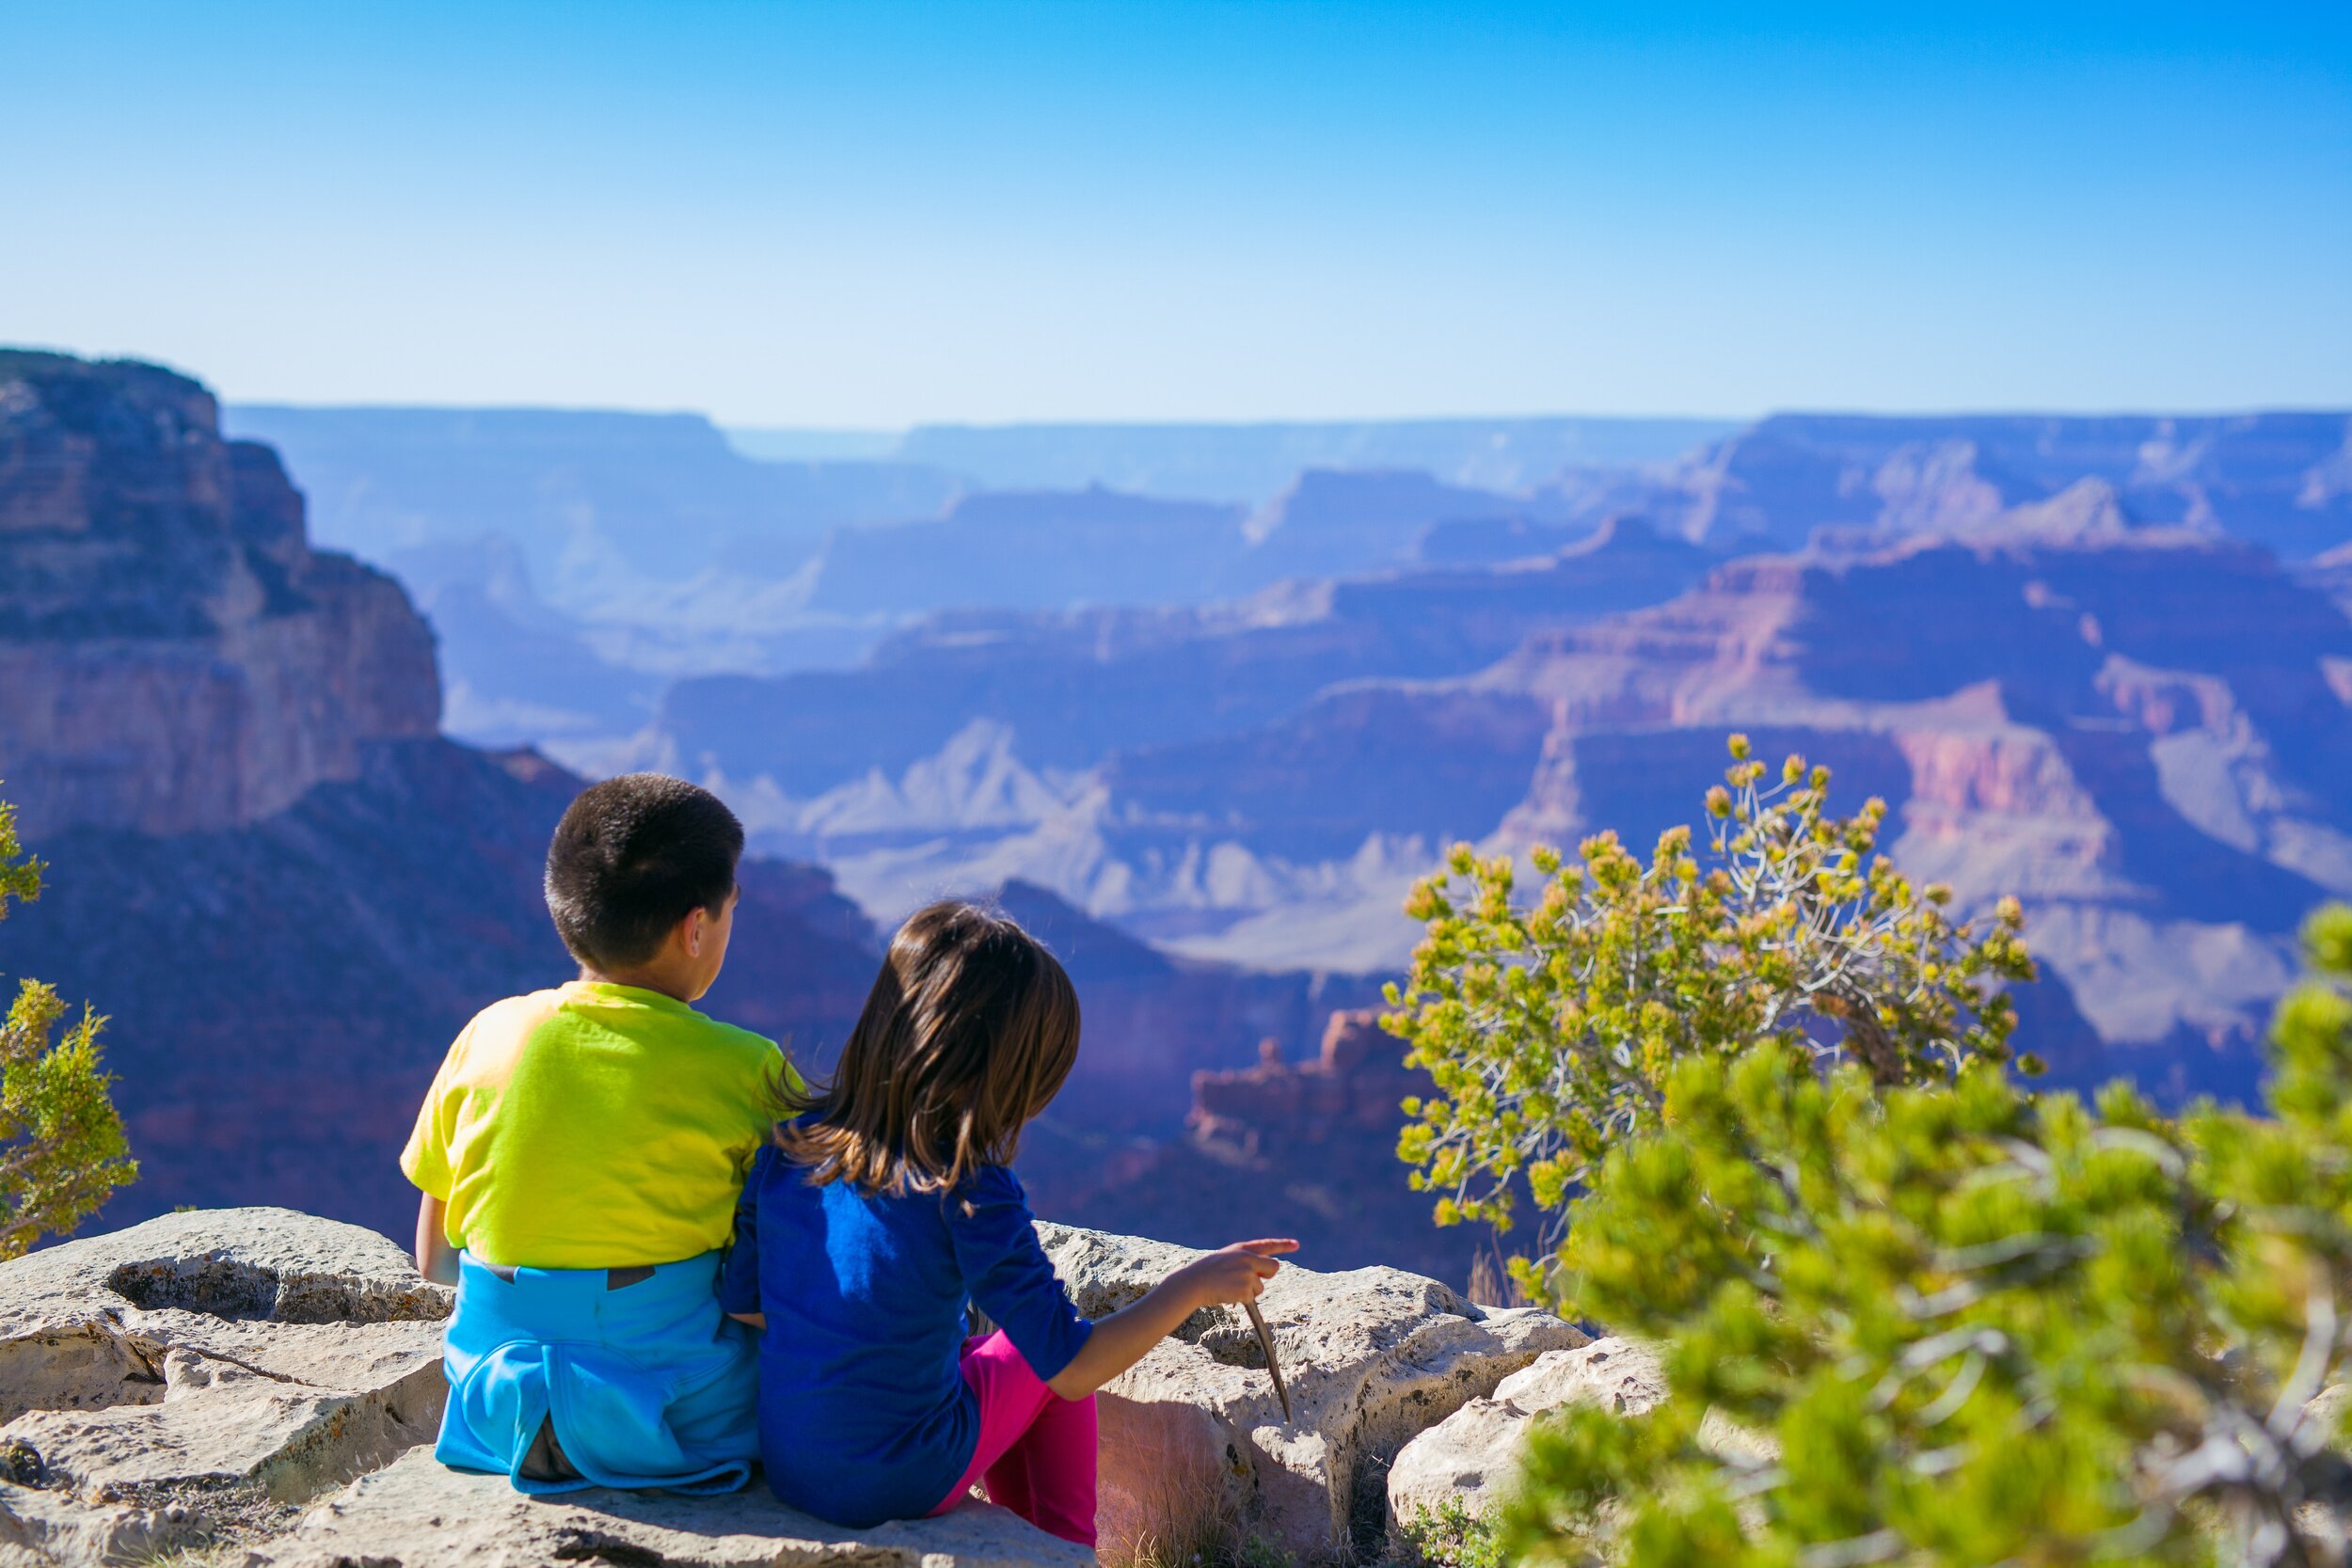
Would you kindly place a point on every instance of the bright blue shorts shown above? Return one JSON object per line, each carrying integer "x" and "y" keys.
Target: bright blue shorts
{"x": 649, "y": 1382}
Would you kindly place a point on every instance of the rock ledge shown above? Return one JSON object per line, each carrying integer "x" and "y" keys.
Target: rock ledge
{"x": 265, "y": 1377}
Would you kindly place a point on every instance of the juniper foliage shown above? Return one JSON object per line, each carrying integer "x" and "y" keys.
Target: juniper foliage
{"x": 1551, "y": 1030}
{"x": 1971, "y": 1326}
{"x": 62, "y": 1149}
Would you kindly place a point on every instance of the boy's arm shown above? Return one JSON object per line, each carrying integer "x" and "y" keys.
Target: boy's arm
{"x": 424, "y": 1160}
{"x": 739, "y": 1272}
{"x": 436, "y": 1259}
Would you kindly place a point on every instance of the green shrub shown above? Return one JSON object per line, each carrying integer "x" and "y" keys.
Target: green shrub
{"x": 1551, "y": 1030}
{"x": 1975, "y": 1326}
{"x": 1451, "y": 1536}
{"x": 62, "y": 1150}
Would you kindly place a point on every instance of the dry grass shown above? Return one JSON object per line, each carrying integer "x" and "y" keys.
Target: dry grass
{"x": 1490, "y": 1282}
{"x": 207, "y": 1554}
{"x": 1188, "y": 1527}
{"x": 1216, "y": 1550}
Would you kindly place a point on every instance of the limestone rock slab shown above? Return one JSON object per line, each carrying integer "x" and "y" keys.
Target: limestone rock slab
{"x": 256, "y": 1349}
{"x": 419, "y": 1514}
{"x": 1194, "y": 1443}
{"x": 1474, "y": 1454}
{"x": 45, "y": 1530}
{"x": 230, "y": 1264}
{"x": 221, "y": 1424}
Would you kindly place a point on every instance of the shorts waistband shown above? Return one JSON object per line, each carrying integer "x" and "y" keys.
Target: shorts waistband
{"x": 614, "y": 1280}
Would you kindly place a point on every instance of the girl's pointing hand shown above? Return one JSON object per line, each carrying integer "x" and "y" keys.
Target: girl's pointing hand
{"x": 1234, "y": 1274}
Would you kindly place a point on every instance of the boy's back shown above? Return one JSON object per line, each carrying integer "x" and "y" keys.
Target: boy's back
{"x": 579, "y": 1153}
{"x": 594, "y": 1126}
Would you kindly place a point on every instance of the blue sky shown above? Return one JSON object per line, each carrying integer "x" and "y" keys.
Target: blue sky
{"x": 869, "y": 214}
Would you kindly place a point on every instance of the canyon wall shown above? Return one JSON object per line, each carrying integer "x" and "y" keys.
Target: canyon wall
{"x": 288, "y": 893}
{"x": 174, "y": 657}
{"x": 283, "y": 887}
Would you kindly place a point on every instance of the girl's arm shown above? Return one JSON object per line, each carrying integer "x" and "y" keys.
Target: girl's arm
{"x": 436, "y": 1259}
{"x": 1238, "y": 1273}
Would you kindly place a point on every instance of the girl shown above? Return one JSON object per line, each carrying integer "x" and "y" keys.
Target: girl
{"x": 885, "y": 1207}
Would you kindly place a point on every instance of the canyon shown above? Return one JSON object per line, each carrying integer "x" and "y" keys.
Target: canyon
{"x": 2136, "y": 728}
{"x": 288, "y": 892}
{"x": 1197, "y": 715}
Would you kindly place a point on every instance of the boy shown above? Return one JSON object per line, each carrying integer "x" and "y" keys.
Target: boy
{"x": 580, "y": 1152}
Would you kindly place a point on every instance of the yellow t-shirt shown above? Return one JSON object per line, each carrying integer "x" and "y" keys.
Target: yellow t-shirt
{"x": 594, "y": 1126}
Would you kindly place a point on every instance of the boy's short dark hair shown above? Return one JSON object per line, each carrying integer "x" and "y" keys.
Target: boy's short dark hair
{"x": 631, "y": 858}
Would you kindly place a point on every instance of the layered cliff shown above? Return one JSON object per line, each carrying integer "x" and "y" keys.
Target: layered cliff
{"x": 2133, "y": 725}
{"x": 285, "y": 889}
{"x": 290, "y": 894}
{"x": 174, "y": 656}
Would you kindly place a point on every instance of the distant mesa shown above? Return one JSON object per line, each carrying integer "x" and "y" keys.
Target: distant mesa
{"x": 1249, "y": 465}
{"x": 2274, "y": 479}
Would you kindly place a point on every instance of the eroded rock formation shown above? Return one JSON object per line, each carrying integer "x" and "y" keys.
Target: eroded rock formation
{"x": 265, "y": 1377}
{"x": 1194, "y": 1441}
{"x": 174, "y": 656}
{"x": 1304, "y": 1149}
{"x": 284, "y": 888}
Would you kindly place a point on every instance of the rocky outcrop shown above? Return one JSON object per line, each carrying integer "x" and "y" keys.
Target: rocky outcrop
{"x": 203, "y": 1370}
{"x": 1473, "y": 1455}
{"x": 1356, "y": 1082}
{"x": 1472, "y": 1458}
{"x": 173, "y": 655}
{"x": 1195, "y": 1446}
{"x": 259, "y": 1375}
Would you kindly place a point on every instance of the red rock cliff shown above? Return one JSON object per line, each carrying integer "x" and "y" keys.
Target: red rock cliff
{"x": 173, "y": 655}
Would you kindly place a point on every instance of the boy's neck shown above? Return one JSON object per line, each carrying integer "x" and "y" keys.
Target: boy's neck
{"x": 651, "y": 978}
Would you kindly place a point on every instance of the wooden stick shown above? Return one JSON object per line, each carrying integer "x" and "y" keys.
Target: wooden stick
{"x": 1273, "y": 1363}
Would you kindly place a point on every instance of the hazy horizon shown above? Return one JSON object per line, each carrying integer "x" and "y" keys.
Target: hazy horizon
{"x": 877, "y": 432}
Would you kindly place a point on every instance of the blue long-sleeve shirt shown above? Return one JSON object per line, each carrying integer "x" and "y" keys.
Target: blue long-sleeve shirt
{"x": 864, "y": 1413}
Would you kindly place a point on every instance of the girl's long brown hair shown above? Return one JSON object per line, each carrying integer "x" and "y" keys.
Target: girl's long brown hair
{"x": 969, "y": 1031}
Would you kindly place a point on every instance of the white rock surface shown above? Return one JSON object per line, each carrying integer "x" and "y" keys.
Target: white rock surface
{"x": 41, "y": 1530}
{"x": 203, "y": 1360}
{"x": 1194, "y": 1442}
{"x": 214, "y": 1373}
{"x": 1474, "y": 1454}
{"x": 417, "y": 1514}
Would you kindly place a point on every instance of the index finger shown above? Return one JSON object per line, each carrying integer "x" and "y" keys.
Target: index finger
{"x": 1268, "y": 1246}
